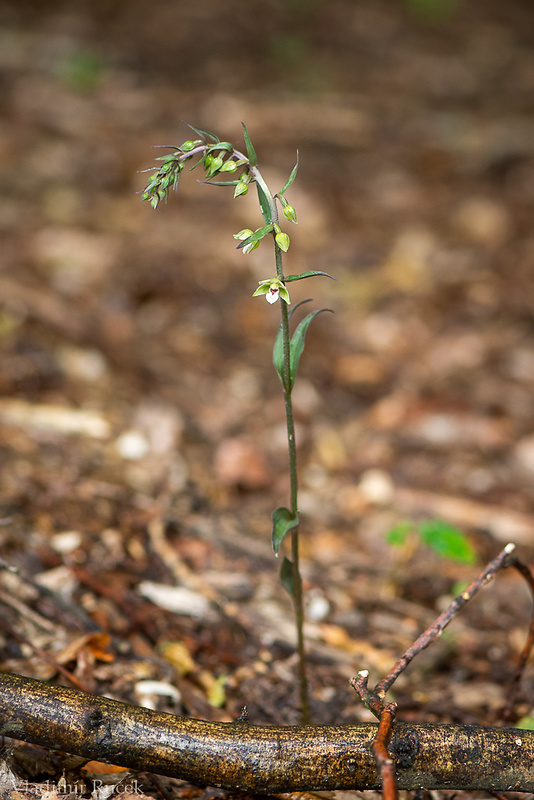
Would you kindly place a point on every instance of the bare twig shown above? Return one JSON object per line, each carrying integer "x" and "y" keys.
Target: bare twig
{"x": 379, "y": 749}
{"x": 370, "y": 699}
{"x": 44, "y": 655}
{"x": 501, "y": 561}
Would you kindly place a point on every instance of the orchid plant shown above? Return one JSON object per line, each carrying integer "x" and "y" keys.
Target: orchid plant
{"x": 219, "y": 160}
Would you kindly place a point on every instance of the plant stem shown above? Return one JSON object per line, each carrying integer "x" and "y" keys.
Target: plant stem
{"x": 292, "y": 452}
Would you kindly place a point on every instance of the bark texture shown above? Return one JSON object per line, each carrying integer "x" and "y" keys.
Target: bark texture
{"x": 240, "y": 756}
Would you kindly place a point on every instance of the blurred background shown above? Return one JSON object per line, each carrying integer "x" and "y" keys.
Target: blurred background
{"x": 136, "y": 385}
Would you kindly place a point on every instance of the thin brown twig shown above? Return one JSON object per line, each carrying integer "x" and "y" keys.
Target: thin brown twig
{"x": 501, "y": 561}
{"x": 368, "y": 698}
{"x": 44, "y": 655}
{"x": 379, "y": 749}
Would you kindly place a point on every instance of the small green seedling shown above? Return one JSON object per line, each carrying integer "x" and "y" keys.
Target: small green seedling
{"x": 442, "y": 537}
{"x": 220, "y": 161}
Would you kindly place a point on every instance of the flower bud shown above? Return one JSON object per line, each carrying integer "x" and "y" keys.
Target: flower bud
{"x": 248, "y": 248}
{"x": 214, "y": 166}
{"x": 290, "y": 213}
{"x": 189, "y": 145}
{"x": 282, "y": 240}
{"x": 240, "y": 189}
{"x": 244, "y": 234}
{"x": 229, "y": 166}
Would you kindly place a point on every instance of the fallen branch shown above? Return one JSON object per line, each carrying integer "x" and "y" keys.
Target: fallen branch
{"x": 239, "y": 756}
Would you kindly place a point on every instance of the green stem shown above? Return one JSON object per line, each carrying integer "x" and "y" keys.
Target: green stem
{"x": 292, "y": 452}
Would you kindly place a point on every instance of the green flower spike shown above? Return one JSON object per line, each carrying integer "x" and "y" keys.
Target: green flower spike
{"x": 272, "y": 289}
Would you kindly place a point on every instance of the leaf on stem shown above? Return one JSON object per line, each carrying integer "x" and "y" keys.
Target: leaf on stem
{"x": 286, "y": 575}
{"x": 311, "y": 273}
{"x": 278, "y": 349}
{"x": 296, "y": 346}
{"x": 221, "y": 146}
{"x": 256, "y": 236}
{"x": 204, "y": 135}
{"x": 251, "y": 153}
{"x": 291, "y": 177}
{"x": 297, "y": 342}
{"x": 266, "y": 210}
{"x": 283, "y": 521}
{"x": 220, "y": 183}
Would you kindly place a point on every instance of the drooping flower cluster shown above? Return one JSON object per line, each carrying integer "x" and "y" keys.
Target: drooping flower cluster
{"x": 217, "y": 158}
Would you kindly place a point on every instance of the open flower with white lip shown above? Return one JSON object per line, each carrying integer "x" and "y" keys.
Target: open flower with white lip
{"x": 273, "y": 289}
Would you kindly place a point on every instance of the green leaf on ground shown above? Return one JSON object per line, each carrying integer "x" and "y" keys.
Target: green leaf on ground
{"x": 447, "y": 541}
{"x": 525, "y": 723}
{"x": 397, "y": 536}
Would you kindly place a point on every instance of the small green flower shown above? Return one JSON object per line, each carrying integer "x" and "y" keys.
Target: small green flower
{"x": 273, "y": 288}
{"x": 241, "y": 189}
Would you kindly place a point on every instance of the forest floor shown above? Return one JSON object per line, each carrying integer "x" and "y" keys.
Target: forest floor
{"x": 142, "y": 443}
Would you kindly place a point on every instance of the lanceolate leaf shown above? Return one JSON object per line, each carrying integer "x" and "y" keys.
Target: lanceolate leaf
{"x": 266, "y": 211}
{"x": 283, "y": 521}
{"x": 286, "y": 575}
{"x": 251, "y": 153}
{"x": 311, "y": 273}
{"x": 297, "y": 342}
{"x": 204, "y": 135}
{"x": 256, "y": 236}
{"x": 222, "y": 183}
{"x": 220, "y": 146}
{"x": 291, "y": 177}
{"x": 278, "y": 349}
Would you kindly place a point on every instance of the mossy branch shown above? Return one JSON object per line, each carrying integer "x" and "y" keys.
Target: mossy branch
{"x": 243, "y": 757}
